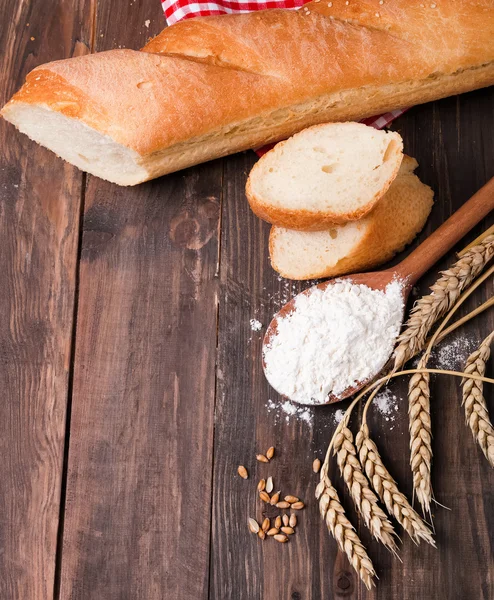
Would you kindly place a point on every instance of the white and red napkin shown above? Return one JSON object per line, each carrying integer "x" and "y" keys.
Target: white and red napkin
{"x": 176, "y": 10}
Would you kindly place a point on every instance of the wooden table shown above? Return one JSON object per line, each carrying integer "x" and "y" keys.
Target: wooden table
{"x": 131, "y": 378}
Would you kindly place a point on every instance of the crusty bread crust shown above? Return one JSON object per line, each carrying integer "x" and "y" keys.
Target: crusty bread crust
{"x": 393, "y": 224}
{"x": 211, "y": 86}
{"x": 309, "y": 220}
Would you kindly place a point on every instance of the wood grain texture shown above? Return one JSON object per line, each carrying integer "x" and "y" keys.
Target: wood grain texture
{"x": 39, "y": 220}
{"x": 139, "y": 476}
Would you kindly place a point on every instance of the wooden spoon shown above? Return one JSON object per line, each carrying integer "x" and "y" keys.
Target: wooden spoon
{"x": 410, "y": 269}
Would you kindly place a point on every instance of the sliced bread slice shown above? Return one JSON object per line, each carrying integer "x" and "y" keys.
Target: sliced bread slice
{"x": 326, "y": 174}
{"x": 355, "y": 247}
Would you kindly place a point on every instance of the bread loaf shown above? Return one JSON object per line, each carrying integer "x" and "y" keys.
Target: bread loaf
{"x": 361, "y": 245}
{"x": 211, "y": 86}
{"x": 325, "y": 174}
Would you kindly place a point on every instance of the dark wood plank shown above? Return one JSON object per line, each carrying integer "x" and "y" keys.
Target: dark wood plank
{"x": 137, "y": 521}
{"x": 451, "y": 142}
{"x": 39, "y": 220}
{"x": 140, "y": 459}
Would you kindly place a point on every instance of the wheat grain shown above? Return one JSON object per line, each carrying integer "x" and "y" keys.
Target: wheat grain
{"x": 316, "y": 465}
{"x": 261, "y": 486}
{"x": 342, "y": 530}
{"x": 270, "y": 453}
{"x": 287, "y": 530}
{"x": 269, "y": 485}
{"x": 476, "y": 412}
{"x": 293, "y": 521}
{"x": 283, "y": 504}
{"x": 277, "y": 522}
{"x": 281, "y": 537}
{"x": 358, "y": 486}
{"x": 297, "y": 505}
{"x": 242, "y": 471}
{"x": 253, "y": 525}
{"x": 387, "y": 489}
{"x": 420, "y": 437}
{"x": 292, "y": 499}
{"x": 428, "y": 309}
{"x": 286, "y": 520}
{"x": 273, "y": 531}
{"x": 266, "y": 524}
{"x": 262, "y": 458}
{"x": 275, "y": 498}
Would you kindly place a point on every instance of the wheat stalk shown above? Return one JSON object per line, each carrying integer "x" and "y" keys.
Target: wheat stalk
{"x": 428, "y": 309}
{"x": 387, "y": 489}
{"x": 477, "y": 311}
{"x": 342, "y": 530}
{"x": 358, "y": 486}
{"x": 476, "y": 413}
{"x": 420, "y": 437}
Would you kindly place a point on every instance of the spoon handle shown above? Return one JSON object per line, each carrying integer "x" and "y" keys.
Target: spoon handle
{"x": 446, "y": 236}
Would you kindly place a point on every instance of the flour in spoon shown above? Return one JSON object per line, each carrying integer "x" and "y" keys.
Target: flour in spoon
{"x": 333, "y": 339}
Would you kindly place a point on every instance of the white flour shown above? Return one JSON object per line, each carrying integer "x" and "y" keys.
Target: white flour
{"x": 338, "y": 416}
{"x": 255, "y": 325}
{"x": 333, "y": 339}
{"x": 290, "y": 410}
{"x": 386, "y": 403}
{"x": 453, "y": 354}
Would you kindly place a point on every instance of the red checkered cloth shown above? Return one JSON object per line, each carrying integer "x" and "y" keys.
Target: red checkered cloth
{"x": 176, "y": 10}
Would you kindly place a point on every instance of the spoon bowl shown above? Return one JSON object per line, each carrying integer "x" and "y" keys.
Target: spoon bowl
{"x": 377, "y": 280}
{"x": 407, "y": 272}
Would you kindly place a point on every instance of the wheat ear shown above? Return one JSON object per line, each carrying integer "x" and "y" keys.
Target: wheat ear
{"x": 333, "y": 513}
{"x": 419, "y": 413}
{"x": 342, "y": 530}
{"x": 428, "y": 309}
{"x": 476, "y": 413}
{"x": 387, "y": 489}
{"x": 364, "y": 498}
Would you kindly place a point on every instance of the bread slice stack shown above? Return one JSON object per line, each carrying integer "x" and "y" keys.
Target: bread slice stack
{"x": 342, "y": 198}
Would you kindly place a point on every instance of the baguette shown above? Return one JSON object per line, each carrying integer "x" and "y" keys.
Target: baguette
{"x": 324, "y": 175}
{"x": 358, "y": 246}
{"x": 211, "y": 86}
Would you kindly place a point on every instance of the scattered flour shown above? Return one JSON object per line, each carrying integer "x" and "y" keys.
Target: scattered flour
{"x": 386, "y": 403}
{"x": 287, "y": 410}
{"x": 338, "y": 416}
{"x": 453, "y": 354}
{"x": 333, "y": 339}
{"x": 255, "y": 325}
{"x": 147, "y": 23}
{"x": 450, "y": 354}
